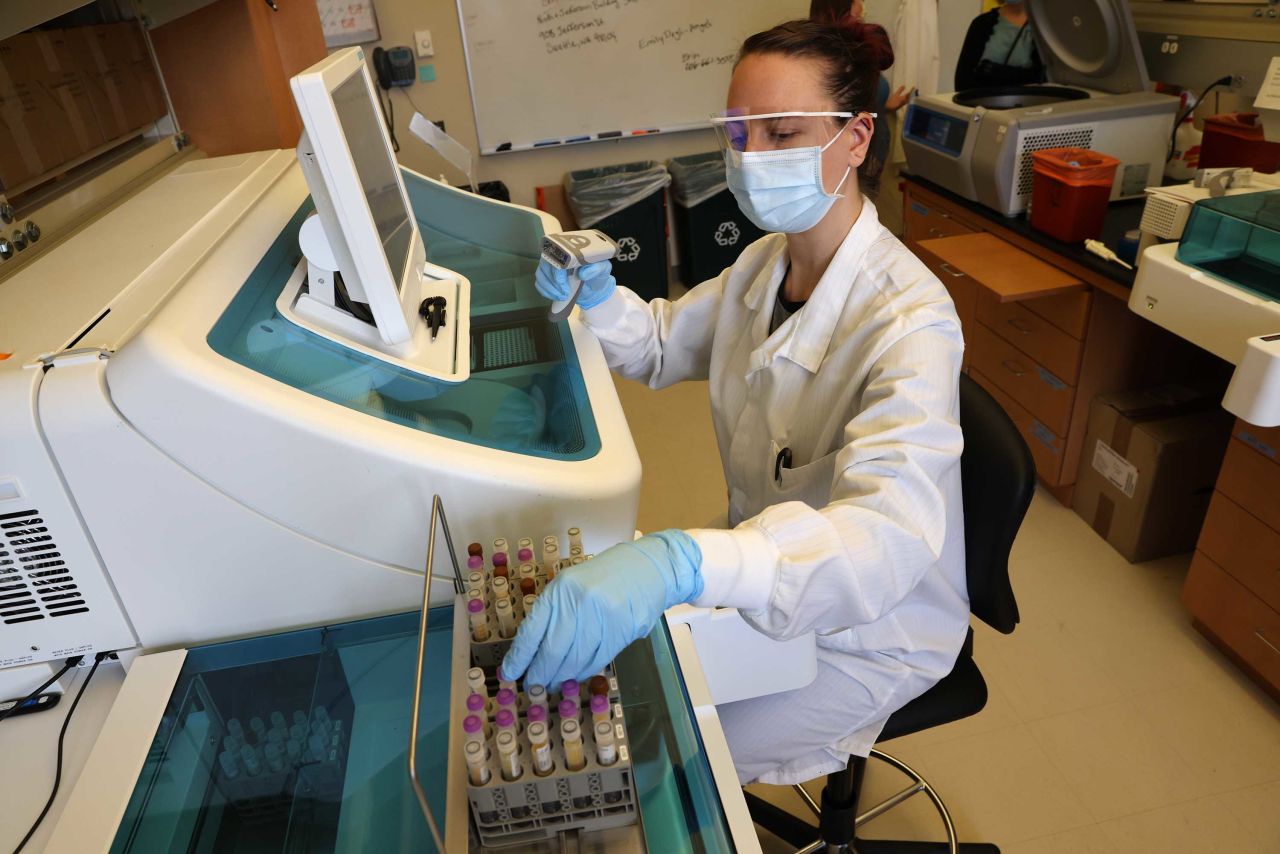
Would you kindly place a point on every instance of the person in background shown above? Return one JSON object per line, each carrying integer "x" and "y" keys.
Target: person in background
{"x": 886, "y": 102}
{"x": 999, "y": 50}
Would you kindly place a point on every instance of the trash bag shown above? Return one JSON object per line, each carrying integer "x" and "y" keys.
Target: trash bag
{"x": 595, "y": 194}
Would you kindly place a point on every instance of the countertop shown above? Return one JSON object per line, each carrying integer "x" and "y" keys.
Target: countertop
{"x": 1121, "y": 217}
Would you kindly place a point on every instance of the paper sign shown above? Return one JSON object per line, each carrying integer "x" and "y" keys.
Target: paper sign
{"x": 1118, "y": 471}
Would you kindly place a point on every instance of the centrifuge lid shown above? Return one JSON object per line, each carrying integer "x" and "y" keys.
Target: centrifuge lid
{"x": 1089, "y": 43}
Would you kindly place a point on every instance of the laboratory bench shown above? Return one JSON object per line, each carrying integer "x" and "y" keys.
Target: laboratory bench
{"x": 1046, "y": 324}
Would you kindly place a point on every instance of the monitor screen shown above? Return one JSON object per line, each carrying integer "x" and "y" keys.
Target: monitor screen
{"x": 361, "y": 125}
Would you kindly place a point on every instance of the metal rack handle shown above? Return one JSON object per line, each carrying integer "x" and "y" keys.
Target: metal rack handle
{"x": 437, "y": 513}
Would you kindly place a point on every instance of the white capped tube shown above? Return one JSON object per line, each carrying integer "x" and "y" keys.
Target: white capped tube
{"x": 570, "y": 733}
{"x": 528, "y": 602}
{"x": 477, "y": 770}
{"x": 550, "y": 560}
{"x": 606, "y": 747}
{"x": 475, "y": 681}
{"x": 501, "y": 587}
{"x": 575, "y": 538}
{"x": 500, "y": 545}
{"x": 576, "y": 551}
{"x": 230, "y": 767}
{"x": 540, "y": 749}
{"x": 506, "y": 618}
{"x": 509, "y": 756}
{"x": 536, "y": 695}
{"x": 252, "y": 764}
{"x": 525, "y": 543}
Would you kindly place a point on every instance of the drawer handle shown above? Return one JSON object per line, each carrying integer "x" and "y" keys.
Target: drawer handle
{"x": 1019, "y": 325}
{"x": 1015, "y": 368}
{"x": 935, "y": 232}
{"x": 949, "y": 270}
{"x": 1262, "y": 637}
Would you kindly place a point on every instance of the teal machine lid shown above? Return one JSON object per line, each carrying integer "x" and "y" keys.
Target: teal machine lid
{"x": 1236, "y": 239}
{"x": 347, "y": 690}
{"x": 526, "y": 394}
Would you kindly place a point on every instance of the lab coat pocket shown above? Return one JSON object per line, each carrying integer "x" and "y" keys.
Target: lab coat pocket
{"x": 810, "y": 483}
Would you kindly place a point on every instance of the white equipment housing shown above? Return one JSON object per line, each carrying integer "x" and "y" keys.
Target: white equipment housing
{"x": 185, "y": 497}
{"x": 978, "y": 144}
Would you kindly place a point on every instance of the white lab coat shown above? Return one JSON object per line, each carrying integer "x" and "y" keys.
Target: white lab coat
{"x": 861, "y": 539}
{"x": 916, "y": 62}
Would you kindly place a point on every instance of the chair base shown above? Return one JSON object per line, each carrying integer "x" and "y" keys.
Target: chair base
{"x": 795, "y": 831}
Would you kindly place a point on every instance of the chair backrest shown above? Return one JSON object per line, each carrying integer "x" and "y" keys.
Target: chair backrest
{"x": 999, "y": 478}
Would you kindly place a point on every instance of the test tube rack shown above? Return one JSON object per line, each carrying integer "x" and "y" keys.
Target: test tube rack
{"x": 532, "y": 807}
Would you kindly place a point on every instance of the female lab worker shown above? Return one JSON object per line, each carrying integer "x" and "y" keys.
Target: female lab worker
{"x": 833, "y": 357}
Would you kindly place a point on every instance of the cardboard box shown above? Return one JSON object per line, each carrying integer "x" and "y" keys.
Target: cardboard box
{"x": 45, "y": 110}
{"x": 1148, "y": 467}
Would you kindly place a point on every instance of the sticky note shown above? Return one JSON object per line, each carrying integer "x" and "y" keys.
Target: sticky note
{"x": 426, "y": 73}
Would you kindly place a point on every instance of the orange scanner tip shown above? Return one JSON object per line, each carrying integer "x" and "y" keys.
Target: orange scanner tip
{"x": 4, "y": 356}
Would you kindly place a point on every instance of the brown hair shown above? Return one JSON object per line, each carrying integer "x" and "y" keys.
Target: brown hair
{"x": 853, "y": 52}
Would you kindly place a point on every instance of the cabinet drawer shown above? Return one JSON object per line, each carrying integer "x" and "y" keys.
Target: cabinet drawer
{"x": 1006, "y": 270}
{"x": 1248, "y": 550}
{"x": 1046, "y": 448}
{"x": 1032, "y": 334}
{"x": 1044, "y": 395}
{"x": 924, "y": 221}
{"x": 964, "y": 293}
{"x": 1264, "y": 440}
{"x": 1242, "y": 621}
{"x": 1251, "y": 480}
{"x": 1068, "y": 312}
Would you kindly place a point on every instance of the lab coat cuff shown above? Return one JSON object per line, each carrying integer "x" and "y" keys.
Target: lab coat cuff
{"x": 608, "y": 313}
{"x": 739, "y": 568}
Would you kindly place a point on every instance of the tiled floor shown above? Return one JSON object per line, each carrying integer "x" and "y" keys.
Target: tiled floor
{"x": 1112, "y": 726}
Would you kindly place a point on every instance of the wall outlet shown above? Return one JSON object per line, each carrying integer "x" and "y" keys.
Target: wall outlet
{"x": 422, "y": 39}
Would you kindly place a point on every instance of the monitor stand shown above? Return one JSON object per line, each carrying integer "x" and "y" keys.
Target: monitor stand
{"x": 310, "y": 300}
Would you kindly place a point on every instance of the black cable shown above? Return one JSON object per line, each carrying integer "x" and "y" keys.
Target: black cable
{"x": 1173, "y": 137}
{"x": 62, "y": 734}
{"x": 389, "y": 114}
{"x": 71, "y": 662}
{"x": 403, "y": 90}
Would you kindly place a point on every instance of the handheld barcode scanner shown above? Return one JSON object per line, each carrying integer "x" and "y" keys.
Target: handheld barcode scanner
{"x": 570, "y": 250}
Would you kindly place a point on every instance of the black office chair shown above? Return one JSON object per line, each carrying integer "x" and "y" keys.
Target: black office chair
{"x": 998, "y": 479}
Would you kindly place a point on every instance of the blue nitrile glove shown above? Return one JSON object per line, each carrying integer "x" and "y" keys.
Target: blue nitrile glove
{"x": 593, "y": 611}
{"x": 597, "y": 283}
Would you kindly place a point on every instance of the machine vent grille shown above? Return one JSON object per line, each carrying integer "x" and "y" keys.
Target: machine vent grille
{"x": 1068, "y": 137}
{"x": 1160, "y": 217}
{"x": 35, "y": 582}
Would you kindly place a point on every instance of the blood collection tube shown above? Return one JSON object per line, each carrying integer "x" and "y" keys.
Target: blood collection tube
{"x": 500, "y": 562}
{"x": 575, "y": 538}
{"x": 477, "y": 770}
{"x": 476, "y": 704}
{"x": 598, "y": 684}
{"x": 500, "y": 545}
{"x": 536, "y": 714}
{"x": 475, "y": 563}
{"x": 540, "y": 749}
{"x": 524, "y": 555}
{"x": 524, "y": 543}
{"x": 576, "y": 551}
{"x": 475, "y": 578}
{"x": 231, "y": 768}
{"x": 550, "y": 561}
{"x": 599, "y": 708}
{"x": 501, "y": 587}
{"x": 571, "y": 690}
{"x": 506, "y": 699}
{"x": 527, "y": 570}
{"x": 606, "y": 747}
{"x": 258, "y": 728}
{"x": 473, "y": 729}
{"x": 274, "y": 754}
{"x": 476, "y": 594}
{"x": 550, "y": 538}
{"x": 504, "y": 682}
{"x": 577, "y": 561}
{"x": 508, "y": 756}
{"x": 479, "y": 621}
{"x": 528, "y": 587}
{"x": 568, "y": 710}
{"x": 506, "y": 618}
{"x": 528, "y": 602}
{"x": 475, "y": 681}
{"x": 475, "y": 550}
{"x": 537, "y": 696}
{"x": 571, "y": 735}
{"x": 249, "y": 757}
{"x": 505, "y": 721}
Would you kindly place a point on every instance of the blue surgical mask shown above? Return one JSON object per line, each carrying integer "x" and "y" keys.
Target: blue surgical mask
{"x": 781, "y": 190}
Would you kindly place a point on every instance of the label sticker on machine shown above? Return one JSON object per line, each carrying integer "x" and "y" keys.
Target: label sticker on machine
{"x": 1118, "y": 471}
{"x": 1133, "y": 179}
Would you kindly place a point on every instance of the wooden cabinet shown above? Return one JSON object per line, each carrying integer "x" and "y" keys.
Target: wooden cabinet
{"x": 1233, "y": 588}
{"x": 1039, "y": 336}
{"x": 227, "y": 67}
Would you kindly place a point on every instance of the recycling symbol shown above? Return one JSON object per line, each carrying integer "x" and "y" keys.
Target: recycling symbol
{"x": 727, "y": 234}
{"x": 628, "y": 249}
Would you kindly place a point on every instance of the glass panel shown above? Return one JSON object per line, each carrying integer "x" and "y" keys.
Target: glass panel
{"x": 527, "y": 395}
{"x": 1237, "y": 239}
{"x": 296, "y": 742}
{"x": 678, "y": 799}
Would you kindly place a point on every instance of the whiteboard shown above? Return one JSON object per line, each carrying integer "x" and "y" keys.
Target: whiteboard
{"x": 553, "y": 72}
